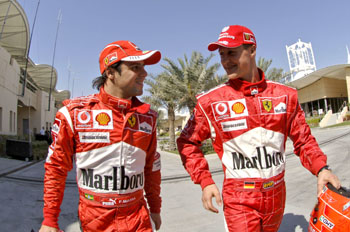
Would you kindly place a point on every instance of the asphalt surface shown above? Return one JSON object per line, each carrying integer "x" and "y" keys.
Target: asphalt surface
{"x": 22, "y": 191}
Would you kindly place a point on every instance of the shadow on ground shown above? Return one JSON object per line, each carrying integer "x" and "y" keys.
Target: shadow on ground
{"x": 292, "y": 222}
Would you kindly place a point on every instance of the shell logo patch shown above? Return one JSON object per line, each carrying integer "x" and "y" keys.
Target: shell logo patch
{"x": 103, "y": 119}
{"x": 132, "y": 120}
{"x": 238, "y": 108}
{"x": 229, "y": 109}
{"x": 267, "y": 105}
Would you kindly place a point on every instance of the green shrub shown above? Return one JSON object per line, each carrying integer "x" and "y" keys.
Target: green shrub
{"x": 39, "y": 149}
{"x": 207, "y": 147}
{"x": 313, "y": 121}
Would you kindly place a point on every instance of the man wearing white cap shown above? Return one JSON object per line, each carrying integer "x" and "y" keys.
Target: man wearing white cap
{"x": 248, "y": 120}
{"x": 112, "y": 138}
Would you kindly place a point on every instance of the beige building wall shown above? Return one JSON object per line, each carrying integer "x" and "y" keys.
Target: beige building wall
{"x": 9, "y": 79}
{"x": 323, "y": 88}
{"x": 21, "y": 115}
{"x": 37, "y": 114}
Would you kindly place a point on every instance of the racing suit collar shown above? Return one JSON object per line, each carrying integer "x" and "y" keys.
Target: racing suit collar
{"x": 123, "y": 104}
{"x": 248, "y": 88}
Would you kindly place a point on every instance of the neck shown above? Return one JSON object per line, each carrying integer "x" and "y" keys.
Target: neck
{"x": 114, "y": 92}
{"x": 252, "y": 77}
{"x": 255, "y": 76}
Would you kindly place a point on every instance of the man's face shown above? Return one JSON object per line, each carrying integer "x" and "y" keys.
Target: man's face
{"x": 130, "y": 81}
{"x": 238, "y": 61}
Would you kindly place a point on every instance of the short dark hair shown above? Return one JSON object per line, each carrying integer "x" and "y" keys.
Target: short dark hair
{"x": 98, "y": 82}
{"x": 246, "y": 46}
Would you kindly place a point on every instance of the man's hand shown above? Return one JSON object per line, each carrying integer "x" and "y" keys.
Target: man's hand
{"x": 324, "y": 177}
{"x": 156, "y": 219}
{"x": 209, "y": 192}
{"x": 48, "y": 229}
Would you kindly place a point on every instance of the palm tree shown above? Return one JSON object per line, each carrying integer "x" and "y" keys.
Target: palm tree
{"x": 274, "y": 74}
{"x": 162, "y": 97}
{"x": 191, "y": 77}
{"x": 177, "y": 86}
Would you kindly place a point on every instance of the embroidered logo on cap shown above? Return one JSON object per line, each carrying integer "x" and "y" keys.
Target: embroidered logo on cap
{"x": 248, "y": 37}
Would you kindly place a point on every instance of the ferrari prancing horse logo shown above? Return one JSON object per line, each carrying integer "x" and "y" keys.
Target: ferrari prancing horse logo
{"x": 132, "y": 120}
{"x": 267, "y": 105}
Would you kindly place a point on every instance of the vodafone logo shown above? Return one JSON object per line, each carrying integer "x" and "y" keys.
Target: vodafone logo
{"x": 84, "y": 117}
{"x": 229, "y": 109}
{"x": 221, "y": 108}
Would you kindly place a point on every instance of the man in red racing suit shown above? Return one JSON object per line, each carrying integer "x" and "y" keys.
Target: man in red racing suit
{"x": 248, "y": 120}
{"x": 112, "y": 138}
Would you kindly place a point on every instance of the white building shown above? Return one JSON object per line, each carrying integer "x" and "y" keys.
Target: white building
{"x": 301, "y": 60}
{"x": 23, "y": 110}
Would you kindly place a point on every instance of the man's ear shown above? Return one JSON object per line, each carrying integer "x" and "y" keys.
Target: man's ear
{"x": 110, "y": 73}
{"x": 253, "y": 50}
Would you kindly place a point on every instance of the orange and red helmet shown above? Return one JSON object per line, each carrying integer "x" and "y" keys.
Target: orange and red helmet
{"x": 332, "y": 212}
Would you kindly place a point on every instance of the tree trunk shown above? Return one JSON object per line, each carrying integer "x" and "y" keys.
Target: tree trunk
{"x": 171, "y": 120}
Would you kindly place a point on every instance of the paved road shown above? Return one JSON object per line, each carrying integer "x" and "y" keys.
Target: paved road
{"x": 21, "y": 200}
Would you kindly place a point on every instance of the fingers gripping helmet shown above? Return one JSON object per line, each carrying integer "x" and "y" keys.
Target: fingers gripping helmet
{"x": 332, "y": 211}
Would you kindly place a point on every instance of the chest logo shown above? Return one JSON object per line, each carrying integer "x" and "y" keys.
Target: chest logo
{"x": 229, "y": 109}
{"x": 83, "y": 117}
{"x": 132, "y": 120}
{"x": 238, "y": 108}
{"x": 103, "y": 119}
{"x": 273, "y": 105}
{"x": 267, "y": 105}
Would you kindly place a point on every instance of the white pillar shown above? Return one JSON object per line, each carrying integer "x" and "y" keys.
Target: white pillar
{"x": 347, "y": 74}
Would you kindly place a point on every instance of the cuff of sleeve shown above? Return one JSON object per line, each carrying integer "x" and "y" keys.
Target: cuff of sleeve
{"x": 152, "y": 210}
{"x": 50, "y": 219}
{"x": 318, "y": 167}
{"x": 207, "y": 181}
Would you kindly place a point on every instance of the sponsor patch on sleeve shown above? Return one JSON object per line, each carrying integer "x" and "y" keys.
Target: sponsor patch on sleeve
{"x": 156, "y": 162}
{"x": 54, "y": 132}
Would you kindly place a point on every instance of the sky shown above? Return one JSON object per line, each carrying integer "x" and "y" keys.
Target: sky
{"x": 178, "y": 28}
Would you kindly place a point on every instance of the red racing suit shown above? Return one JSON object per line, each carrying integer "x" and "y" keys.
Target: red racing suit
{"x": 248, "y": 124}
{"x": 113, "y": 142}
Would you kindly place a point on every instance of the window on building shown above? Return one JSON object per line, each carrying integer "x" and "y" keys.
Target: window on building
{"x": 14, "y": 121}
{"x": 0, "y": 119}
{"x": 10, "y": 120}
